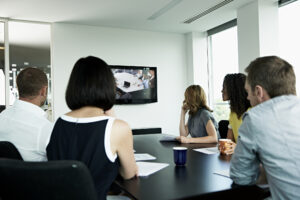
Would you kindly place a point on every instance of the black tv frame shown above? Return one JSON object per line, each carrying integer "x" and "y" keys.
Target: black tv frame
{"x": 152, "y": 91}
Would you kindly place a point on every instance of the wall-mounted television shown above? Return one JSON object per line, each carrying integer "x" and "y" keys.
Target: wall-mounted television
{"x": 135, "y": 84}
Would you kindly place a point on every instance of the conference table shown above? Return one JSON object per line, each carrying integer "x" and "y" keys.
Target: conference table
{"x": 175, "y": 182}
{"x": 195, "y": 180}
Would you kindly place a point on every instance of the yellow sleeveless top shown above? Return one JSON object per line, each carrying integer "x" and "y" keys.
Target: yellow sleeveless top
{"x": 235, "y": 124}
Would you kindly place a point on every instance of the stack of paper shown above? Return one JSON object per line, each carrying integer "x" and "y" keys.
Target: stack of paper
{"x": 212, "y": 150}
{"x": 147, "y": 168}
{"x": 143, "y": 156}
{"x": 223, "y": 173}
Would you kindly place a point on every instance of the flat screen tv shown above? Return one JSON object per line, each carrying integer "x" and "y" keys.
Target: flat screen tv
{"x": 135, "y": 84}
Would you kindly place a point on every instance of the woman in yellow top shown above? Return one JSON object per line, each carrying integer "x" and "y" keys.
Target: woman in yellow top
{"x": 234, "y": 92}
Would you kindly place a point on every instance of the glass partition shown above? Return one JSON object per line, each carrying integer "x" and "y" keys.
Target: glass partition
{"x": 2, "y": 76}
{"x": 29, "y": 46}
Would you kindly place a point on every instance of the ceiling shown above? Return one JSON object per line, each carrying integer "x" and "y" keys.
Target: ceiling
{"x": 165, "y": 15}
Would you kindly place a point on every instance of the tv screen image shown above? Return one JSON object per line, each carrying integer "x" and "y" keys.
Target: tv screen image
{"x": 135, "y": 84}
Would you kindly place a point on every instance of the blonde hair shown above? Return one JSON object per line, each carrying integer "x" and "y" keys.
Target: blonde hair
{"x": 195, "y": 99}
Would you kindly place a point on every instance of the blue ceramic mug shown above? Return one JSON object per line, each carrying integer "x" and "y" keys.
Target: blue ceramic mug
{"x": 179, "y": 155}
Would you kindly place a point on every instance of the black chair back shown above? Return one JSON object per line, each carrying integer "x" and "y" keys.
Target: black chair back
{"x": 146, "y": 131}
{"x": 8, "y": 150}
{"x": 53, "y": 180}
{"x": 223, "y": 128}
{"x": 2, "y": 107}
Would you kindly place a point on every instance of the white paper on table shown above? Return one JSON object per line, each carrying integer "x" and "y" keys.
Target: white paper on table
{"x": 143, "y": 156}
{"x": 223, "y": 173}
{"x": 211, "y": 150}
{"x": 168, "y": 138}
{"x": 147, "y": 168}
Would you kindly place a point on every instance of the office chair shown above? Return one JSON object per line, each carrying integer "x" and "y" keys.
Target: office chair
{"x": 146, "y": 131}
{"x": 223, "y": 128}
{"x": 2, "y": 107}
{"x": 53, "y": 180}
{"x": 8, "y": 150}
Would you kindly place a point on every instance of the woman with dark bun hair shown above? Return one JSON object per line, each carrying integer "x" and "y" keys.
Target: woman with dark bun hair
{"x": 89, "y": 132}
{"x": 234, "y": 92}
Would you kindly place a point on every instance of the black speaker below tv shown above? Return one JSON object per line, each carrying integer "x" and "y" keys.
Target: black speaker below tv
{"x": 135, "y": 84}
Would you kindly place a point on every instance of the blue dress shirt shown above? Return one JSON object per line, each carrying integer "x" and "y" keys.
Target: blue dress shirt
{"x": 270, "y": 135}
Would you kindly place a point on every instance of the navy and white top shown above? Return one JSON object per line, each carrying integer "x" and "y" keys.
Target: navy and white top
{"x": 86, "y": 140}
{"x": 197, "y": 123}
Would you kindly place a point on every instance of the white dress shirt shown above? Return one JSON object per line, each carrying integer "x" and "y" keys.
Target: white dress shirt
{"x": 26, "y": 126}
{"x": 270, "y": 135}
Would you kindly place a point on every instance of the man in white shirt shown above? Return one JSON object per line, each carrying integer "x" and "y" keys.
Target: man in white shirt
{"x": 269, "y": 134}
{"x": 25, "y": 124}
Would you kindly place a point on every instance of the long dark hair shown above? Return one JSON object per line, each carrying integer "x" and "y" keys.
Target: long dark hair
{"x": 234, "y": 85}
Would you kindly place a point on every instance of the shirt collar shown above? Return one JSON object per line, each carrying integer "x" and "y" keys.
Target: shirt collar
{"x": 30, "y": 107}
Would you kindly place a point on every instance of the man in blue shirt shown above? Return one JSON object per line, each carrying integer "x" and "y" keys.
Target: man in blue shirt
{"x": 270, "y": 132}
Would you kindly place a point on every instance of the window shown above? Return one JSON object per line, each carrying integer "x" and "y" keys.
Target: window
{"x": 289, "y": 37}
{"x": 29, "y": 46}
{"x": 223, "y": 57}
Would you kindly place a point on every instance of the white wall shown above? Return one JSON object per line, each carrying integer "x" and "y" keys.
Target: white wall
{"x": 257, "y": 31}
{"x": 248, "y": 36}
{"x": 125, "y": 47}
{"x": 197, "y": 59}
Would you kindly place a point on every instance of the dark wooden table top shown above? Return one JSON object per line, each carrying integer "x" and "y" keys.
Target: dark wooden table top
{"x": 172, "y": 182}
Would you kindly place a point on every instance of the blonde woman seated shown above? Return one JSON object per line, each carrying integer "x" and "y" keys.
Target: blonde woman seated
{"x": 201, "y": 124}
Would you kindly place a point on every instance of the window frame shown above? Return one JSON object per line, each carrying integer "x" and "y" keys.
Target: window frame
{"x": 211, "y": 32}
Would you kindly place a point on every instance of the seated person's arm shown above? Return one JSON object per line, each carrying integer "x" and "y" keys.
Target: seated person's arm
{"x": 230, "y": 149}
{"x": 122, "y": 144}
{"x": 183, "y": 128}
{"x": 244, "y": 168}
{"x": 230, "y": 134}
{"x": 211, "y": 138}
{"x": 211, "y": 135}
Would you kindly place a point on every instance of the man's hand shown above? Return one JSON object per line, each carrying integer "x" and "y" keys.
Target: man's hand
{"x": 230, "y": 148}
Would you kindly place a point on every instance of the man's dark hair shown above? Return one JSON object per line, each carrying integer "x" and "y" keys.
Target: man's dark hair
{"x": 234, "y": 84}
{"x": 30, "y": 81}
{"x": 91, "y": 84}
{"x": 272, "y": 73}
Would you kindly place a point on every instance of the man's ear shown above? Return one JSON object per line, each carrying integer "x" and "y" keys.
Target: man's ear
{"x": 43, "y": 91}
{"x": 261, "y": 94}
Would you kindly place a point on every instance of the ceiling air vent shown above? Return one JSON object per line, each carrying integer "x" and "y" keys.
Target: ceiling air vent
{"x": 164, "y": 9}
{"x": 215, "y": 7}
